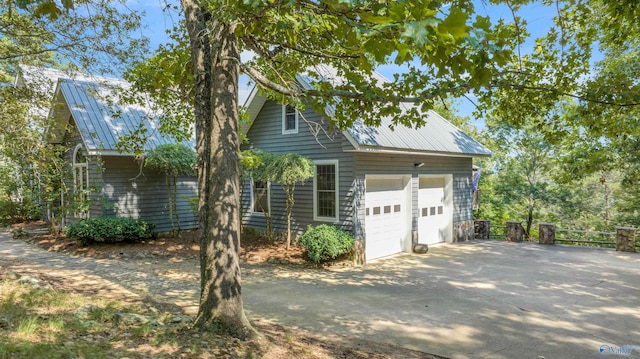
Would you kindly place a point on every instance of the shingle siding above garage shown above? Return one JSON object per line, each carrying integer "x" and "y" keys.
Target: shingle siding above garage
{"x": 436, "y": 136}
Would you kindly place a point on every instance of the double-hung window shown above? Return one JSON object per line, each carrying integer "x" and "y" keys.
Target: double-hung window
{"x": 289, "y": 119}
{"x": 325, "y": 191}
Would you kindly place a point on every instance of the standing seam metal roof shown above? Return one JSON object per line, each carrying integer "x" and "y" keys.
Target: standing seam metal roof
{"x": 437, "y": 135}
{"x": 101, "y": 119}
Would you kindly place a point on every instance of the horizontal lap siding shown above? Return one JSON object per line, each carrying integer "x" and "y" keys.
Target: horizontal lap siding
{"x": 114, "y": 192}
{"x": 266, "y": 134}
{"x": 385, "y": 164}
{"x": 146, "y": 196}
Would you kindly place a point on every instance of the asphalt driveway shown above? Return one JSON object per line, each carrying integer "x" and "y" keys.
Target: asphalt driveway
{"x": 485, "y": 299}
{"x": 482, "y": 299}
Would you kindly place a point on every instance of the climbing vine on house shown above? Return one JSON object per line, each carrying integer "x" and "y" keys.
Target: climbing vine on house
{"x": 173, "y": 160}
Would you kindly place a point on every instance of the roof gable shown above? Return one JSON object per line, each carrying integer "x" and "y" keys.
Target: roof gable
{"x": 100, "y": 118}
{"x": 436, "y": 136}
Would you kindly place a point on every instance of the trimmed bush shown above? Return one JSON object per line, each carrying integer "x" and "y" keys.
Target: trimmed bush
{"x": 325, "y": 242}
{"x": 110, "y": 230}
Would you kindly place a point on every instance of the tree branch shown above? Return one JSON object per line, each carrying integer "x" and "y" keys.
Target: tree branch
{"x": 517, "y": 25}
{"x": 252, "y": 41}
{"x": 562, "y": 93}
{"x": 35, "y": 52}
{"x": 298, "y": 91}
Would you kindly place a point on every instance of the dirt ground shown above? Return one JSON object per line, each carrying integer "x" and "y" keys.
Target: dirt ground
{"x": 282, "y": 342}
{"x": 254, "y": 249}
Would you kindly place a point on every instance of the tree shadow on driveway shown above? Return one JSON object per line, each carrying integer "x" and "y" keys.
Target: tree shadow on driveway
{"x": 472, "y": 300}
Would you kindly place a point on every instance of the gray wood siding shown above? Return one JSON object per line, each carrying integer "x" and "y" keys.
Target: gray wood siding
{"x": 266, "y": 134}
{"x": 387, "y": 164}
{"x": 113, "y": 191}
{"x": 144, "y": 197}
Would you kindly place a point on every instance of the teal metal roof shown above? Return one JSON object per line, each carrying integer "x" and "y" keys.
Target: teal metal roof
{"x": 101, "y": 119}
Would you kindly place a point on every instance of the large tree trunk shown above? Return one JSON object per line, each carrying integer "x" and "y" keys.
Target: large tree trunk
{"x": 215, "y": 60}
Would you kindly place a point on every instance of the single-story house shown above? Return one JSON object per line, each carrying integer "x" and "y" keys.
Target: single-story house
{"x": 88, "y": 122}
{"x": 392, "y": 188}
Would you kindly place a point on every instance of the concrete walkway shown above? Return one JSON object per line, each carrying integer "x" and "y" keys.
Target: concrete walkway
{"x": 473, "y": 300}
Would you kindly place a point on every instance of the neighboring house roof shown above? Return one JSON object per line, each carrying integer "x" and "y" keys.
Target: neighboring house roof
{"x": 101, "y": 119}
{"x": 436, "y": 136}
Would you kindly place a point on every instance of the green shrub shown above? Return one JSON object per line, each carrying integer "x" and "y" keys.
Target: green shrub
{"x": 325, "y": 242}
{"x": 14, "y": 212}
{"x": 110, "y": 230}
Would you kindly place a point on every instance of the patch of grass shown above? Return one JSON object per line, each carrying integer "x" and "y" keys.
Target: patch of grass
{"x": 45, "y": 323}
{"x": 288, "y": 337}
{"x": 28, "y": 327}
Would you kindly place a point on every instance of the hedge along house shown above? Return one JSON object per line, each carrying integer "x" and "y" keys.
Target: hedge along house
{"x": 390, "y": 188}
{"x": 87, "y": 120}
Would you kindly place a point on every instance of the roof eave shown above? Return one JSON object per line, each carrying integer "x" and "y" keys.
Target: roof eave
{"x": 108, "y": 152}
{"x": 401, "y": 151}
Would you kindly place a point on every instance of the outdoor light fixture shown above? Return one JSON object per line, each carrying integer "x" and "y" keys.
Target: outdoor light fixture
{"x": 419, "y": 164}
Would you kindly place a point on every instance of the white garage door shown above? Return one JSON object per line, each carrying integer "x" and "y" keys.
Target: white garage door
{"x": 434, "y": 216}
{"x": 386, "y": 216}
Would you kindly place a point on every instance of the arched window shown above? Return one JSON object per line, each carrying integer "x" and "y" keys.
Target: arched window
{"x": 80, "y": 182}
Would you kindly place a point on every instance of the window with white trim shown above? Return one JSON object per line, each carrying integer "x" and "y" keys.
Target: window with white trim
{"x": 80, "y": 169}
{"x": 289, "y": 119}
{"x": 260, "y": 196}
{"x": 325, "y": 191}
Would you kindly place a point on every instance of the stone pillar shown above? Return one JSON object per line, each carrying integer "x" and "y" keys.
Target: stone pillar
{"x": 462, "y": 231}
{"x": 514, "y": 232}
{"x": 625, "y": 239}
{"x": 547, "y": 233}
{"x": 359, "y": 252}
{"x": 481, "y": 229}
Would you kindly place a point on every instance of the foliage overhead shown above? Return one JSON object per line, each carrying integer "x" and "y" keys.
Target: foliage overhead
{"x": 172, "y": 159}
{"x": 94, "y": 35}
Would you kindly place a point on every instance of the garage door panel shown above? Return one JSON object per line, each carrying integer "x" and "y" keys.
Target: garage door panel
{"x": 386, "y": 218}
{"x": 385, "y": 184}
{"x": 433, "y": 216}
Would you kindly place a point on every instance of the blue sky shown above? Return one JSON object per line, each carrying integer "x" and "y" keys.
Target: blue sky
{"x": 538, "y": 17}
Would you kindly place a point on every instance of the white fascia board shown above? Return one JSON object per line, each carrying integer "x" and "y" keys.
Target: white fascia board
{"x": 363, "y": 149}
{"x": 109, "y": 153}
{"x": 352, "y": 141}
